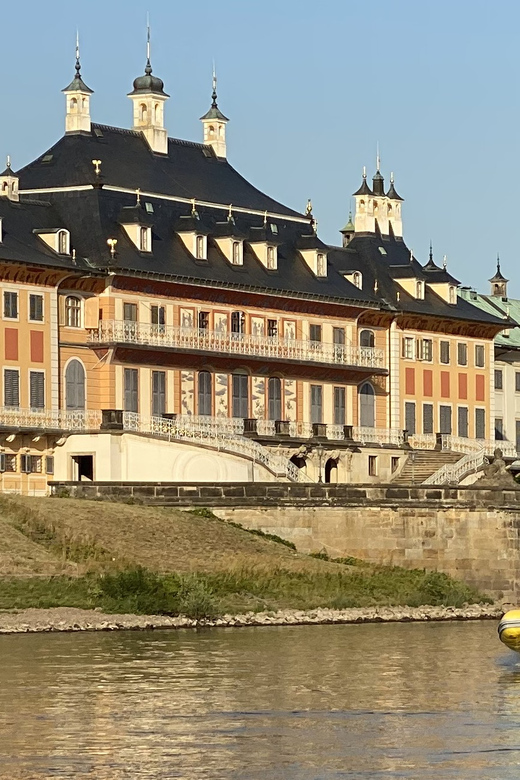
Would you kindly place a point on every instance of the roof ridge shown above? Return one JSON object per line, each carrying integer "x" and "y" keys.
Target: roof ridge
{"x": 126, "y": 131}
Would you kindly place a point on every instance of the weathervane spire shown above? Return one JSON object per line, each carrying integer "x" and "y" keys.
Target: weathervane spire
{"x": 148, "y": 68}
{"x": 378, "y": 158}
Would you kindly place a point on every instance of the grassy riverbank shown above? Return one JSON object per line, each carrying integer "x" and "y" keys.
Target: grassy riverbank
{"x": 125, "y": 558}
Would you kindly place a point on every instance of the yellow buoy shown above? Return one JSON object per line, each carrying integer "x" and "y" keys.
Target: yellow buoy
{"x": 509, "y": 629}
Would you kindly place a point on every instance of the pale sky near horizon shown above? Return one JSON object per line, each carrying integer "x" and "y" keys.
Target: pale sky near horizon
{"x": 310, "y": 89}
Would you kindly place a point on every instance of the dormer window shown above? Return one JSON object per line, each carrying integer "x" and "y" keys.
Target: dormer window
{"x": 271, "y": 258}
{"x": 321, "y": 265}
{"x": 57, "y": 239}
{"x": 145, "y": 235}
{"x": 357, "y": 279}
{"x": 63, "y": 242}
{"x": 452, "y": 294}
{"x": 236, "y": 253}
{"x": 419, "y": 290}
{"x": 201, "y": 247}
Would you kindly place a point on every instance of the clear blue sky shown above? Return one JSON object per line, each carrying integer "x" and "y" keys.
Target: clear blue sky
{"x": 310, "y": 89}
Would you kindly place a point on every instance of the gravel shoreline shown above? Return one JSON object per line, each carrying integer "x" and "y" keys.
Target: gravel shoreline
{"x": 69, "y": 619}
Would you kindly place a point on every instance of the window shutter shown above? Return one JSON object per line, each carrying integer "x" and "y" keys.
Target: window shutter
{"x": 11, "y": 387}
{"x": 2, "y": 461}
{"x": 49, "y": 464}
{"x": 26, "y": 464}
{"x": 37, "y": 390}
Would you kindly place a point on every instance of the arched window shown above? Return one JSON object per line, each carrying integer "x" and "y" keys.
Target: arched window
{"x": 357, "y": 279}
{"x": 73, "y": 104}
{"x": 211, "y": 130}
{"x": 143, "y": 112}
{"x": 200, "y": 255}
{"x": 366, "y": 338}
{"x": 205, "y": 393}
{"x": 75, "y": 385}
{"x": 144, "y": 239}
{"x": 274, "y": 395}
{"x": 366, "y": 397}
{"x": 5, "y": 187}
{"x": 236, "y": 253}
{"x": 156, "y": 112}
{"x": 73, "y": 311}
{"x": 389, "y": 209}
{"x": 63, "y": 242}
{"x": 221, "y": 130}
{"x": 84, "y": 104}
{"x": 361, "y": 205}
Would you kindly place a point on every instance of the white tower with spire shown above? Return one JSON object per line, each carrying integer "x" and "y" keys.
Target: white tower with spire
{"x": 77, "y": 94}
{"x": 9, "y": 183}
{"x": 148, "y": 98}
{"x": 214, "y": 123}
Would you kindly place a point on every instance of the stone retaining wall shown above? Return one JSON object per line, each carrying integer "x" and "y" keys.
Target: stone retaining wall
{"x": 468, "y": 532}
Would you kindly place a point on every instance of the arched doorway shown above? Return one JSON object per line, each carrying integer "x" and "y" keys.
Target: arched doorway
{"x": 366, "y": 398}
{"x": 331, "y": 471}
{"x": 75, "y": 385}
{"x": 299, "y": 462}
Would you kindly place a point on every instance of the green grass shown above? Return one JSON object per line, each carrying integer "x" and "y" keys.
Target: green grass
{"x": 199, "y": 595}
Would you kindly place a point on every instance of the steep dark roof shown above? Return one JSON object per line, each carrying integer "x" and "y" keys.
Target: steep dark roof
{"x": 189, "y": 170}
{"x": 364, "y": 189}
{"x": 363, "y": 254}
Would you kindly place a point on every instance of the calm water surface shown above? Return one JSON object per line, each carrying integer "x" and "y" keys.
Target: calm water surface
{"x": 420, "y": 701}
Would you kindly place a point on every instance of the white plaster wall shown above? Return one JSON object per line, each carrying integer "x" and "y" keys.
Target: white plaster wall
{"x": 132, "y": 458}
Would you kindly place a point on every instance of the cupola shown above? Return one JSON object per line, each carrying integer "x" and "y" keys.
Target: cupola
{"x": 148, "y": 98}
{"x": 499, "y": 282}
{"x": 348, "y": 231}
{"x": 77, "y": 95}
{"x": 439, "y": 280}
{"x": 214, "y": 123}
{"x": 9, "y": 183}
{"x": 364, "y": 219}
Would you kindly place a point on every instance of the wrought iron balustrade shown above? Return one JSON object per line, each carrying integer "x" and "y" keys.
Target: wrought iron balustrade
{"x": 145, "y": 334}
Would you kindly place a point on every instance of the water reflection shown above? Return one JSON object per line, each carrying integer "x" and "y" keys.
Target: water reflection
{"x": 434, "y": 701}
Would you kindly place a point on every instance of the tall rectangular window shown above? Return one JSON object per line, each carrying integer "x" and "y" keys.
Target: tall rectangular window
{"x": 427, "y": 350}
{"x": 203, "y": 320}
{"x": 316, "y": 404}
{"x": 480, "y": 423}
{"x": 131, "y": 390}
{"x": 36, "y": 308}
{"x": 11, "y": 305}
{"x": 240, "y": 395}
{"x": 274, "y": 397}
{"x": 158, "y": 315}
{"x": 427, "y": 418}
{"x": 315, "y": 332}
{"x": 409, "y": 417}
{"x": 499, "y": 429}
{"x": 517, "y": 435}
{"x": 130, "y": 312}
{"x": 445, "y": 352}
{"x": 408, "y": 347}
{"x": 517, "y": 381}
{"x": 205, "y": 394}
{"x": 462, "y": 354}
{"x": 479, "y": 355}
{"x": 272, "y": 328}
{"x": 11, "y": 387}
{"x": 37, "y": 389}
{"x": 339, "y": 406}
{"x": 338, "y": 335}
{"x": 498, "y": 379}
{"x": 158, "y": 393}
{"x": 462, "y": 421}
{"x": 445, "y": 419}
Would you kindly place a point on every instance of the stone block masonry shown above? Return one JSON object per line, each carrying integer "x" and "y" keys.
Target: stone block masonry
{"x": 468, "y": 532}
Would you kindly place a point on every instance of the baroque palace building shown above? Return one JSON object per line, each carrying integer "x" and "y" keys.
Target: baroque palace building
{"x": 163, "y": 320}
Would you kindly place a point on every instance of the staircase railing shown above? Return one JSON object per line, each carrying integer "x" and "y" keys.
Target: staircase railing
{"x": 476, "y": 454}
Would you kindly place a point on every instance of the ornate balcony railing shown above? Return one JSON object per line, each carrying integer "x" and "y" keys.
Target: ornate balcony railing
{"x": 71, "y": 420}
{"x": 145, "y": 334}
{"x": 378, "y": 435}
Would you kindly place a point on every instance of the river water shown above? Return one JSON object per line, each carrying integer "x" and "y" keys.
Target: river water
{"x": 422, "y": 701}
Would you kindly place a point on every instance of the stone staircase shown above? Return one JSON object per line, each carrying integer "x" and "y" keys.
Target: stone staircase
{"x": 423, "y": 465}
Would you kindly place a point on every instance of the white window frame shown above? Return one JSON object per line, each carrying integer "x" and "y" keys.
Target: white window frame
{"x": 17, "y": 293}
{"x": 408, "y": 341}
{"x": 39, "y": 295}
{"x": 80, "y": 310}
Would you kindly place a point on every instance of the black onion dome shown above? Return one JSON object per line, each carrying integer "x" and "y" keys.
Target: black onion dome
{"x": 148, "y": 83}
